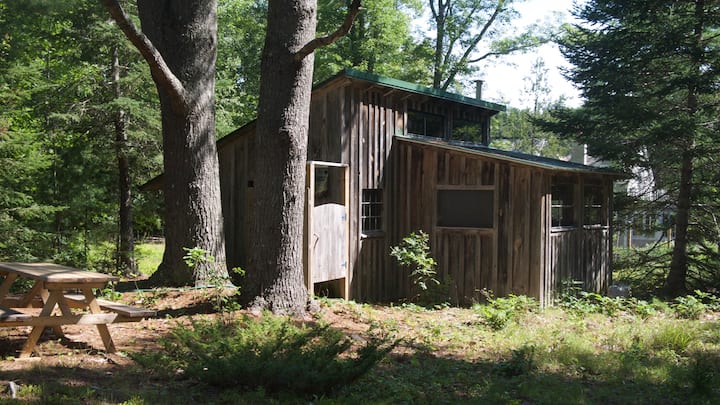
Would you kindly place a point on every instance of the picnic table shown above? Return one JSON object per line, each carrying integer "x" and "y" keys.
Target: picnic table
{"x": 65, "y": 296}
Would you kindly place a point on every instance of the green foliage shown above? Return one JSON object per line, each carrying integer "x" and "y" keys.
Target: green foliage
{"x": 656, "y": 101}
{"x": 575, "y": 300}
{"x": 59, "y": 173}
{"x": 148, "y": 257}
{"x": 379, "y": 42}
{"x": 676, "y": 337}
{"x": 270, "y": 353}
{"x": 521, "y": 362}
{"x": 497, "y": 313}
{"x": 693, "y": 306}
{"x": 414, "y": 252}
{"x": 199, "y": 259}
{"x": 470, "y": 31}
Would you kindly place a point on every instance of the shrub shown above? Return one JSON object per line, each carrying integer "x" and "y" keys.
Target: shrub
{"x": 269, "y": 353}
{"x": 499, "y": 312}
{"x": 521, "y": 362}
{"x": 414, "y": 252}
{"x": 689, "y": 307}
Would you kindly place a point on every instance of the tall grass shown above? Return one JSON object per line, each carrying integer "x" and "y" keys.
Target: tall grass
{"x": 148, "y": 257}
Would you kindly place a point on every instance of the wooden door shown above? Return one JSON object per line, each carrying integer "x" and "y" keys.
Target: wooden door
{"x": 326, "y": 225}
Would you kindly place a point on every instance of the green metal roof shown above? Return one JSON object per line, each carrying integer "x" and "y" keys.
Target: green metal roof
{"x": 414, "y": 88}
{"x": 511, "y": 156}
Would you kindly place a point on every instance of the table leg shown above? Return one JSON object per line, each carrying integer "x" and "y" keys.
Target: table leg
{"x": 27, "y": 300}
{"x": 44, "y": 294}
{"x": 5, "y": 286}
{"x": 37, "y": 330}
{"x": 102, "y": 328}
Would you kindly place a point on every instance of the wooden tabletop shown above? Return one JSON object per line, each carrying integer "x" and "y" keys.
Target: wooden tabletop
{"x": 55, "y": 273}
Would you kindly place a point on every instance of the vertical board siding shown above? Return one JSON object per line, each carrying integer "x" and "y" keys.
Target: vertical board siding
{"x": 354, "y": 123}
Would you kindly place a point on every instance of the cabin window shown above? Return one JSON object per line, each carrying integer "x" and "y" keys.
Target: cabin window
{"x": 563, "y": 204}
{"x": 426, "y": 124}
{"x": 465, "y": 208}
{"x": 371, "y": 207}
{"x": 466, "y": 131}
{"x": 593, "y": 196}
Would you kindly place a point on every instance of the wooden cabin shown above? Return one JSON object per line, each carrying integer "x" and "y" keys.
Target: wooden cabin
{"x": 387, "y": 157}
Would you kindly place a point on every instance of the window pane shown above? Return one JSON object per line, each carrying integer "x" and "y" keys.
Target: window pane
{"x": 371, "y": 209}
{"x": 465, "y": 208}
{"x": 420, "y": 123}
{"x": 563, "y": 204}
{"x": 466, "y": 131}
{"x": 593, "y": 196}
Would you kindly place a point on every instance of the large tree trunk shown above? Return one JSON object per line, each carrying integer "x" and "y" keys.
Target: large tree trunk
{"x": 185, "y": 34}
{"x": 126, "y": 244}
{"x": 275, "y": 270}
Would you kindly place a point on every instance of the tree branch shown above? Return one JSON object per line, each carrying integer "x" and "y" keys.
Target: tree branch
{"x": 474, "y": 43}
{"x": 311, "y": 46}
{"x": 160, "y": 70}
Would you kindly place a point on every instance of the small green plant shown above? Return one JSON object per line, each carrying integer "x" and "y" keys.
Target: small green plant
{"x": 414, "y": 252}
{"x": 497, "y": 313}
{"x": 270, "y": 353}
{"x": 673, "y": 336}
{"x": 196, "y": 258}
{"x": 110, "y": 293}
{"x": 701, "y": 373}
{"x": 689, "y": 307}
{"x": 521, "y": 362}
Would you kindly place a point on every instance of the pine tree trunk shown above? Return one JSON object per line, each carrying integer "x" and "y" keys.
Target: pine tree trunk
{"x": 185, "y": 34}
{"x": 676, "y": 279}
{"x": 275, "y": 272}
{"x": 126, "y": 246}
{"x": 675, "y": 284}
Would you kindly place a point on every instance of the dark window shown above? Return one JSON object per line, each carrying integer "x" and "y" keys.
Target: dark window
{"x": 421, "y": 123}
{"x": 593, "y": 196}
{"x": 563, "y": 204}
{"x": 466, "y": 131}
{"x": 371, "y": 207}
{"x": 465, "y": 208}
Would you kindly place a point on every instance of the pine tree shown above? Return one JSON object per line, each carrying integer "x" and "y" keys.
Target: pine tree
{"x": 649, "y": 71}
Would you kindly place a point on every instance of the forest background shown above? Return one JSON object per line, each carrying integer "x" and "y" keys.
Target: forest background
{"x": 80, "y": 124}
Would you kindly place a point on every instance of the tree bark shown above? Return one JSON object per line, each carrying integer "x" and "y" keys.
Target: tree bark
{"x": 275, "y": 270}
{"x": 179, "y": 41}
{"x": 274, "y": 278}
{"x": 675, "y": 283}
{"x": 126, "y": 244}
{"x": 676, "y": 279}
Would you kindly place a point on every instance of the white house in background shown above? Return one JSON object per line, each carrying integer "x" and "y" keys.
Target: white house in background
{"x": 641, "y": 185}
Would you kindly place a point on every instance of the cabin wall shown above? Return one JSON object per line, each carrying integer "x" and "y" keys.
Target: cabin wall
{"x": 582, "y": 252}
{"x": 505, "y": 258}
{"x": 355, "y": 123}
{"x": 236, "y": 159}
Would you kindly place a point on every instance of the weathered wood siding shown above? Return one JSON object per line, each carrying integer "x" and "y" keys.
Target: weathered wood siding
{"x": 583, "y": 252}
{"x": 507, "y": 258}
{"x": 354, "y": 123}
{"x": 236, "y": 160}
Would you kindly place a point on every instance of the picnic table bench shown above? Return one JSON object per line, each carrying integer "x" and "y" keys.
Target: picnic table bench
{"x": 60, "y": 289}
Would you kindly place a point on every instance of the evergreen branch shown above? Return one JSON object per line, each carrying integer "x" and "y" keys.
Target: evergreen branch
{"x": 161, "y": 72}
{"x": 311, "y": 46}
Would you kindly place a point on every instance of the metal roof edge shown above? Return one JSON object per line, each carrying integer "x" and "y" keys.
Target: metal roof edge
{"x": 515, "y": 157}
{"x": 411, "y": 87}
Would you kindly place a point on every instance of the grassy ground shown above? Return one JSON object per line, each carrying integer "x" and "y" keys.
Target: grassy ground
{"x": 449, "y": 355}
{"x": 148, "y": 256}
{"x": 589, "y": 350}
